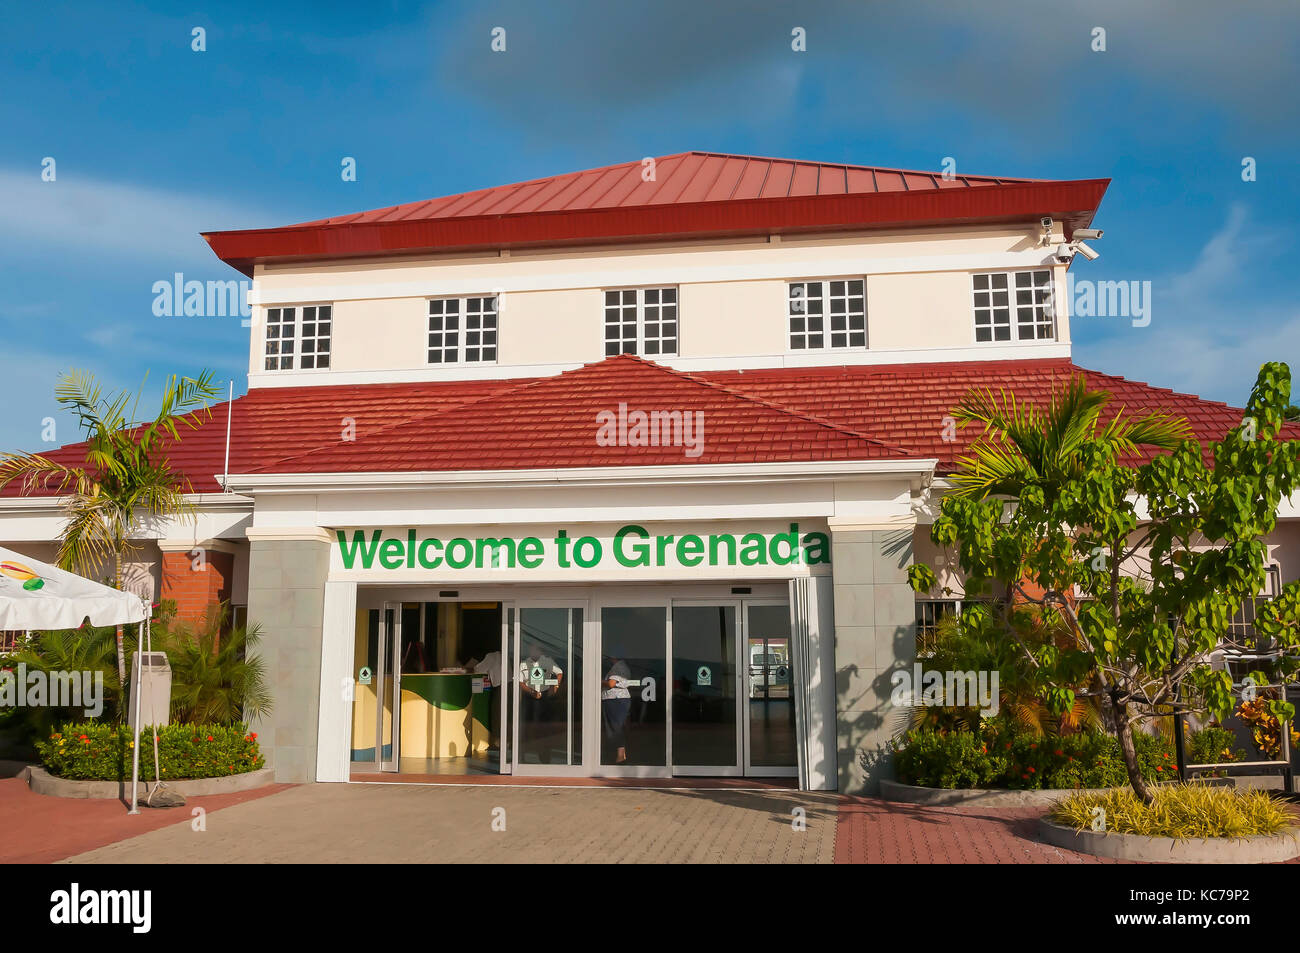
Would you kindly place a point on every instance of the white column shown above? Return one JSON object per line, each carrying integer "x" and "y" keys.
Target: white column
{"x": 338, "y": 641}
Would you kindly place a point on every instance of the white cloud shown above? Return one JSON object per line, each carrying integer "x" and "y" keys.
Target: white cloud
{"x": 1203, "y": 339}
{"x": 114, "y": 218}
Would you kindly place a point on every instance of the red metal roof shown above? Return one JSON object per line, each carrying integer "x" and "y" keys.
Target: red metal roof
{"x": 690, "y": 194}
{"x": 782, "y": 414}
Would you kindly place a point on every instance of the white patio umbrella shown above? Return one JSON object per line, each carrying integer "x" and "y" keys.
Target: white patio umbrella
{"x": 36, "y": 595}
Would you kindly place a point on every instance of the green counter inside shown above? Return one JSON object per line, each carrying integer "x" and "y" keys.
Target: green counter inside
{"x": 452, "y": 691}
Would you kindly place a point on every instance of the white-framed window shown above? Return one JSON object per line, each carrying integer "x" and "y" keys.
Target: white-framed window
{"x": 463, "y": 330}
{"x": 1013, "y": 306}
{"x": 301, "y": 332}
{"x": 641, "y": 321}
{"x": 929, "y": 612}
{"x": 828, "y": 315}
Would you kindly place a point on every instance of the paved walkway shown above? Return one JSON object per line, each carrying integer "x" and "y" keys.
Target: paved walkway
{"x": 872, "y": 831}
{"x": 414, "y": 823}
{"x": 398, "y": 823}
{"x": 36, "y": 829}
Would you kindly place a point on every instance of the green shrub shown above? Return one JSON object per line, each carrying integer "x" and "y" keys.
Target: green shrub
{"x": 1179, "y": 810}
{"x": 1002, "y": 755}
{"x": 93, "y": 751}
{"x": 1213, "y": 745}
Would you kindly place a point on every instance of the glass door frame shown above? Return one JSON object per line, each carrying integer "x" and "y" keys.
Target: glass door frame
{"x": 583, "y": 636}
{"x": 737, "y": 769}
{"x": 390, "y": 638}
{"x": 763, "y": 770}
{"x": 623, "y": 596}
{"x": 509, "y": 670}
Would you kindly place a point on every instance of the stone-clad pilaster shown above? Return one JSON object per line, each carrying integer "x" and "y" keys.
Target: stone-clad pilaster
{"x": 875, "y": 632}
{"x": 286, "y": 596}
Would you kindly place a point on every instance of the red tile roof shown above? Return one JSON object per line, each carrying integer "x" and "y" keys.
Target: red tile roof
{"x": 690, "y": 194}
{"x": 905, "y": 404}
{"x": 887, "y": 412}
{"x": 553, "y": 422}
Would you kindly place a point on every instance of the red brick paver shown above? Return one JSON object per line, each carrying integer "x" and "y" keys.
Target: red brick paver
{"x": 872, "y": 831}
{"x": 39, "y": 829}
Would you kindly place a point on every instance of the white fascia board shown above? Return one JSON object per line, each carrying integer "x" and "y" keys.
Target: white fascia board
{"x": 1287, "y": 508}
{"x": 45, "y": 503}
{"x": 649, "y": 273}
{"x": 855, "y": 357}
{"x": 579, "y": 476}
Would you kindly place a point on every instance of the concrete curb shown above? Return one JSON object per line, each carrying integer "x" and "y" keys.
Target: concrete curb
{"x": 1263, "y": 849}
{"x": 42, "y": 782}
{"x": 975, "y": 797}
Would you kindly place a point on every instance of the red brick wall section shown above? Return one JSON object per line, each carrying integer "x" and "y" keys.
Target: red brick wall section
{"x": 196, "y": 590}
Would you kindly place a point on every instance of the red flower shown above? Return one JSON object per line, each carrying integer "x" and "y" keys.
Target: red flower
{"x": 1159, "y": 769}
{"x": 209, "y": 737}
{"x": 1035, "y": 745}
{"x": 253, "y": 736}
{"x": 1031, "y": 771}
{"x": 1059, "y": 752}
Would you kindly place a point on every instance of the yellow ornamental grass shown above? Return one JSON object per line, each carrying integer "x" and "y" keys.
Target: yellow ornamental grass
{"x": 1181, "y": 811}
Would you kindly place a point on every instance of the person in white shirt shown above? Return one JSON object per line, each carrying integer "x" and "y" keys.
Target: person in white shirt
{"x": 491, "y": 667}
{"x": 615, "y": 703}
{"x": 540, "y": 679}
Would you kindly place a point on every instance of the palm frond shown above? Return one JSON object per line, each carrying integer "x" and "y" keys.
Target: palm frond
{"x": 38, "y": 472}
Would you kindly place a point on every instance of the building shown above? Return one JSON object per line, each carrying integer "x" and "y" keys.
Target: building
{"x": 613, "y": 473}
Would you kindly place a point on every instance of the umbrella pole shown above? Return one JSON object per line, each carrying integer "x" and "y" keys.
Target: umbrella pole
{"x": 135, "y": 748}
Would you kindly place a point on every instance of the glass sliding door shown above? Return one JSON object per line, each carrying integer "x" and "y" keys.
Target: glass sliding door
{"x": 547, "y": 687}
{"x": 706, "y": 732}
{"x": 388, "y": 682}
{"x": 504, "y": 682}
{"x": 633, "y": 692}
{"x": 770, "y": 747}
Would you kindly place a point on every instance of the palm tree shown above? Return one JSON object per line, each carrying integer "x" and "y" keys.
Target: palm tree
{"x": 1027, "y": 445}
{"x": 214, "y": 678}
{"x": 127, "y": 477}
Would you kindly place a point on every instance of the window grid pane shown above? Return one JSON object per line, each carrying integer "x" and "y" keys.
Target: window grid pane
{"x": 1026, "y": 294}
{"x": 281, "y": 326}
{"x": 315, "y": 336}
{"x": 827, "y": 314}
{"x": 444, "y": 331}
{"x": 641, "y": 321}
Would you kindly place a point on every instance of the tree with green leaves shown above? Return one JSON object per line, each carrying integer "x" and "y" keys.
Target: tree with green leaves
{"x": 1145, "y": 563}
{"x": 217, "y": 676}
{"x": 126, "y": 479}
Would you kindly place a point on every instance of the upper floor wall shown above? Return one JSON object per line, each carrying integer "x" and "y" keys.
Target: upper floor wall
{"x": 882, "y": 297}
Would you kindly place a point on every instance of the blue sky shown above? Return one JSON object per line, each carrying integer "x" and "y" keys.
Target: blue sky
{"x": 155, "y": 142}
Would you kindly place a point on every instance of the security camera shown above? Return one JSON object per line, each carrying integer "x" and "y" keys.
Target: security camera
{"x": 1046, "y": 222}
{"x": 1085, "y": 251}
{"x": 1063, "y": 253}
{"x": 1093, "y": 233}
